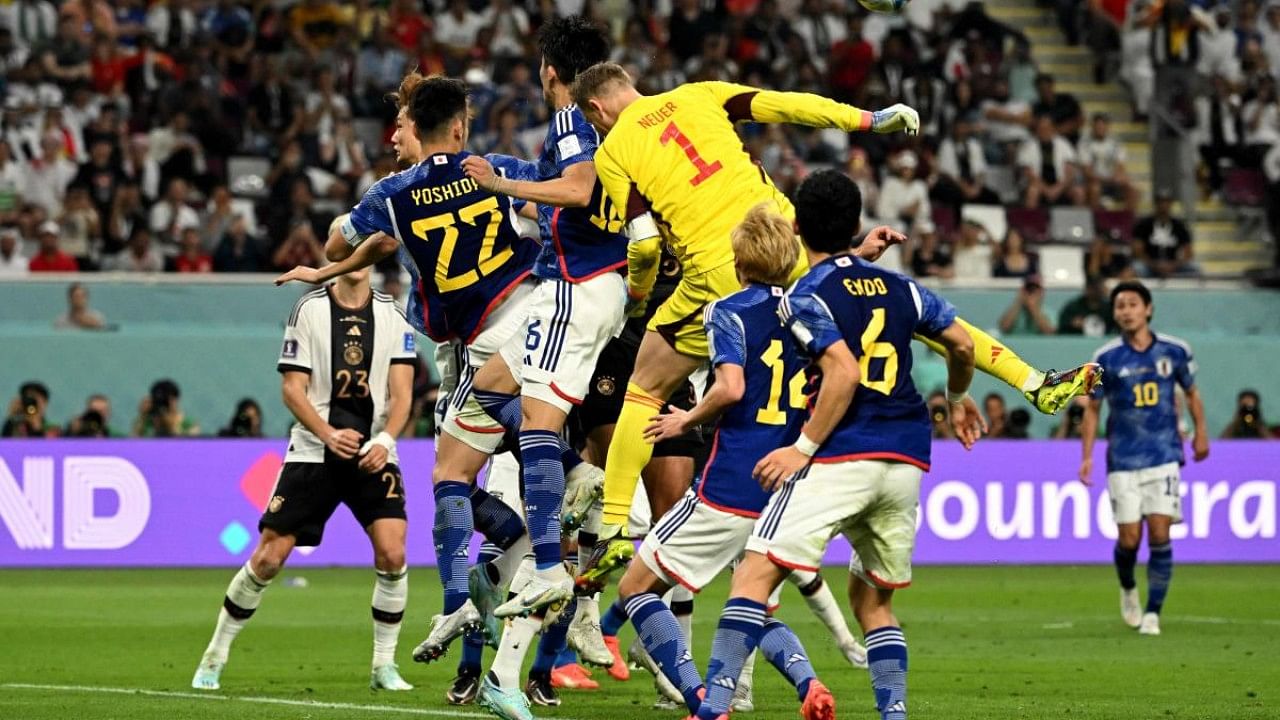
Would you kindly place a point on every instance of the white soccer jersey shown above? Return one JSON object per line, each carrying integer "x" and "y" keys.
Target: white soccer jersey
{"x": 348, "y": 353}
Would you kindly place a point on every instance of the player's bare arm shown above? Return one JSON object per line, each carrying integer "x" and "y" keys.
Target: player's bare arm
{"x": 1199, "y": 441}
{"x": 376, "y": 450}
{"x": 378, "y": 247}
{"x": 344, "y": 443}
{"x": 572, "y": 189}
{"x": 727, "y": 390}
{"x": 840, "y": 378}
{"x": 1089, "y": 433}
{"x": 966, "y": 421}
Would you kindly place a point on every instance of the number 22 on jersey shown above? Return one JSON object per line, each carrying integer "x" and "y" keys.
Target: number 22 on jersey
{"x": 487, "y": 259}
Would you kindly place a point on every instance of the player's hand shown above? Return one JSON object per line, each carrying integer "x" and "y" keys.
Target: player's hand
{"x": 344, "y": 443}
{"x": 374, "y": 460}
{"x": 966, "y": 422}
{"x": 895, "y": 118}
{"x": 778, "y": 466}
{"x": 1200, "y": 446}
{"x": 479, "y": 169}
{"x": 877, "y": 241}
{"x": 636, "y": 304}
{"x": 671, "y": 424}
{"x": 301, "y": 273}
{"x": 1086, "y": 471}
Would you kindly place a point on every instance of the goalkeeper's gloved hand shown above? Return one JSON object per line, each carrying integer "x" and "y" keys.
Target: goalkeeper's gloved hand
{"x": 637, "y": 303}
{"x": 896, "y": 118}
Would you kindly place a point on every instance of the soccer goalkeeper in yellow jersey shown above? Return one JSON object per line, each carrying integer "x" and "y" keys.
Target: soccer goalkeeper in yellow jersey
{"x": 675, "y": 166}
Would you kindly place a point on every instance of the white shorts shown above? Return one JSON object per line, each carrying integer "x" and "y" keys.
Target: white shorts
{"x": 693, "y": 542}
{"x": 465, "y": 419}
{"x": 641, "y": 517}
{"x": 872, "y": 502}
{"x": 503, "y": 481}
{"x": 1136, "y": 494}
{"x": 568, "y": 326}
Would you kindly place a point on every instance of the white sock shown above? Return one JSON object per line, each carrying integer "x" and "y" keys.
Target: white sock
{"x": 508, "y": 563}
{"x": 517, "y": 638}
{"x": 745, "y": 677}
{"x": 523, "y": 573}
{"x": 242, "y": 598}
{"x": 390, "y": 592}
{"x": 823, "y": 604}
{"x": 1034, "y": 380}
{"x": 588, "y": 607}
{"x": 681, "y": 594}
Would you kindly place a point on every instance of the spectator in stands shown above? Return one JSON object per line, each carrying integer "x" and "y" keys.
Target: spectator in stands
{"x": 160, "y": 413}
{"x": 33, "y": 22}
{"x": 1102, "y": 158}
{"x": 176, "y": 150}
{"x": 689, "y": 23}
{"x": 1026, "y": 315}
{"x": 523, "y": 95}
{"x": 1219, "y": 130}
{"x": 1063, "y": 108}
{"x": 65, "y": 58}
{"x": 172, "y": 215}
{"x": 270, "y": 117}
{"x": 313, "y": 27}
{"x": 457, "y": 30}
{"x": 850, "y": 62}
{"x": 95, "y": 421}
{"x": 79, "y": 316}
{"x": 81, "y": 234}
{"x": 997, "y": 418}
{"x": 1269, "y": 30}
{"x": 51, "y": 258}
{"x": 1089, "y": 313}
{"x": 380, "y": 65}
{"x": 1162, "y": 246}
{"x": 139, "y": 255}
{"x": 1012, "y": 260}
{"x": 323, "y": 108}
{"x": 246, "y": 422}
{"x": 45, "y": 178}
{"x": 12, "y": 262}
{"x": 1262, "y": 121}
{"x": 962, "y": 168}
{"x": 929, "y": 255}
{"x": 904, "y": 198}
{"x": 142, "y": 169}
{"x": 1247, "y": 422}
{"x": 127, "y": 212}
{"x": 238, "y": 251}
{"x": 11, "y": 189}
{"x": 938, "y": 416}
{"x": 1007, "y": 120}
{"x": 1104, "y": 23}
{"x": 506, "y": 138}
{"x": 27, "y": 417}
{"x": 1072, "y": 420}
{"x": 1110, "y": 258}
{"x": 191, "y": 255}
{"x": 714, "y": 62}
{"x": 1219, "y": 46}
{"x": 101, "y": 175}
{"x": 1048, "y": 166}
{"x": 300, "y": 247}
{"x": 636, "y": 50}
{"x": 172, "y": 25}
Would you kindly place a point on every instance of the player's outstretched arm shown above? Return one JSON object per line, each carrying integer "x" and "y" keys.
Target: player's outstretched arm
{"x": 966, "y": 422}
{"x": 1089, "y": 433}
{"x": 368, "y": 253}
{"x": 770, "y": 106}
{"x": 725, "y": 391}
{"x": 572, "y": 189}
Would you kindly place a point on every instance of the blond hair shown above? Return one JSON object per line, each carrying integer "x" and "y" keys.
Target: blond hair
{"x": 596, "y": 81}
{"x": 404, "y": 94}
{"x": 764, "y": 246}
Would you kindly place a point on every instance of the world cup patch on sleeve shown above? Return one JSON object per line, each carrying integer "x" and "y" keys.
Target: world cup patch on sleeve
{"x": 569, "y": 147}
{"x": 290, "y": 349}
{"x": 408, "y": 342}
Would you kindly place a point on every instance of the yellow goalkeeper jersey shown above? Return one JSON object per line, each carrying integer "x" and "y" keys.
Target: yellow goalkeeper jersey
{"x": 677, "y": 156}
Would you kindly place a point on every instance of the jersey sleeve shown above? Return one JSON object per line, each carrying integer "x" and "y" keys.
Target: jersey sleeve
{"x": 405, "y": 348}
{"x": 743, "y": 102}
{"x": 934, "y": 312}
{"x": 370, "y": 215}
{"x": 514, "y": 169}
{"x": 726, "y": 335}
{"x": 297, "y": 352}
{"x": 1185, "y": 372}
{"x": 573, "y": 139}
{"x": 810, "y": 321}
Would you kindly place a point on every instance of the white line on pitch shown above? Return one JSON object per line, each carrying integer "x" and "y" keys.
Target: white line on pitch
{"x": 248, "y": 699}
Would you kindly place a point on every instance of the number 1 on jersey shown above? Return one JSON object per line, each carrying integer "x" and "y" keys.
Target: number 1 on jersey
{"x": 771, "y": 414}
{"x": 705, "y": 170}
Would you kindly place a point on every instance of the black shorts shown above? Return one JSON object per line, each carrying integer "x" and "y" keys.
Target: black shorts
{"x": 608, "y": 389}
{"x": 306, "y": 495}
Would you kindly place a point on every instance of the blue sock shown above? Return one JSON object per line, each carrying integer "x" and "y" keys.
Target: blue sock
{"x": 453, "y": 530}
{"x": 887, "y": 661}
{"x": 783, "y": 650}
{"x": 543, "y": 492}
{"x": 1125, "y": 559}
{"x": 554, "y": 641}
{"x": 614, "y": 618}
{"x": 494, "y": 519}
{"x": 1159, "y": 571}
{"x": 661, "y": 635}
{"x": 505, "y": 410}
{"x": 566, "y": 657}
{"x": 473, "y": 641}
{"x": 738, "y": 633}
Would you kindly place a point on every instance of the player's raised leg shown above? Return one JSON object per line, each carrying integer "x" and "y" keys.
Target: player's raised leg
{"x": 390, "y": 593}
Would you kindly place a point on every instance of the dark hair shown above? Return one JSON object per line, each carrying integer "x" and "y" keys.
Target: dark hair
{"x": 436, "y": 102}
{"x": 72, "y": 288}
{"x": 34, "y": 387}
{"x": 828, "y": 210}
{"x": 1248, "y": 392}
{"x": 1133, "y": 286}
{"x": 572, "y": 44}
{"x": 993, "y": 395}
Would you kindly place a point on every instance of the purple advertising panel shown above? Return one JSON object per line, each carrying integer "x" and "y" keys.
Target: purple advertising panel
{"x": 196, "y": 502}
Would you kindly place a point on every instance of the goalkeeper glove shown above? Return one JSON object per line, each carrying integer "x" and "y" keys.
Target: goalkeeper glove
{"x": 894, "y": 118}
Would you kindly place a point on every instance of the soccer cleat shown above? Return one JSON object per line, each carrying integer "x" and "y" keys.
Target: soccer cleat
{"x": 463, "y": 690}
{"x": 641, "y": 658}
{"x": 573, "y": 677}
{"x": 855, "y": 654}
{"x": 387, "y": 677}
{"x": 544, "y": 590}
{"x": 742, "y": 700}
{"x": 1059, "y": 388}
{"x": 1130, "y": 608}
{"x": 819, "y": 704}
{"x": 486, "y": 597}
{"x": 506, "y": 703}
{"x": 611, "y": 552}
{"x": 583, "y": 485}
{"x": 207, "y": 674}
{"x": 445, "y": 629}
{"x": 618, "y": 670}
{"x": 1150, "y": 624}
{"x": 585, "y": 638}
{"x": 541, "y": 691}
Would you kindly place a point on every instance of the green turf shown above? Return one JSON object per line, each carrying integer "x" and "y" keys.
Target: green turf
{"x": 1040, "y": 642}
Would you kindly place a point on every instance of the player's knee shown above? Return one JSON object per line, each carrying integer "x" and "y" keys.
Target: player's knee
{"x": 389, "y": 559}
{"x": 266, "y": 564}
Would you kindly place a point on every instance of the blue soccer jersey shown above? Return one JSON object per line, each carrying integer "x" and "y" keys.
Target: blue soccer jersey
{"x": 875, "y": 312}
{"x": 458, "y": 241}
{"x": 1142, "y": 418}
{"x": 743, "y": 330}
{"x": 577, "y": 243}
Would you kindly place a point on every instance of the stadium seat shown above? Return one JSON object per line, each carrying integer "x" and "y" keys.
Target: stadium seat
{"x": 1062, "y": 264}
{"x": 989, "y": 217}
{"x": 1244, "y": 187}
{"x": 1071, "y": 225}
{"x": 1114, "y": 225}
{"x": 246, "y": 175}
{"x": 944, "y": 221}
{"x": 1033, "y": 223}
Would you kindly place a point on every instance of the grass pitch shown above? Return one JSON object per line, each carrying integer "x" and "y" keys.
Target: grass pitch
{"x": 991, "y": 642}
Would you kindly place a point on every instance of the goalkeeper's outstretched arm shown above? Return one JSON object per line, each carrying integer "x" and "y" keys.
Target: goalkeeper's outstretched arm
{"x": 769, "y": 106}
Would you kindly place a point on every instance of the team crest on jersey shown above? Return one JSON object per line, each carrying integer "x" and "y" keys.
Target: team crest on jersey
{"x": 606, "y": 386}
{"x": 290, "y": 349}
{"x": 276, "y": 503}
{"x": 844, "y": 261}
{"x": 354, "y": 331}
{"x": 1164, "y": 367}
{"x": 353, "y": 354}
